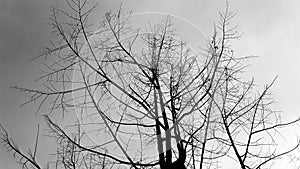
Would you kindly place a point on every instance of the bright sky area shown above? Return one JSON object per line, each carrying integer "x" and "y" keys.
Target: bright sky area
{"x": 270, "y": 30}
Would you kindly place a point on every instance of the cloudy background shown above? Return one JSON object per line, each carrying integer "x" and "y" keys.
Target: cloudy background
{"x": 271, "y": 31}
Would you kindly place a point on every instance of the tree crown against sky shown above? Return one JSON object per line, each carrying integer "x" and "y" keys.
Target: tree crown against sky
{"x": 144, "y": 98}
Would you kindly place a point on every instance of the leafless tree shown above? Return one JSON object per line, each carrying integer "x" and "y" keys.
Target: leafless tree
{"x": 144, "y": 99}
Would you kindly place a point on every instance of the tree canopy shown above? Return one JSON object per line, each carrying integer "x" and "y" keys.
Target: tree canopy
{"x": 143, "y": 98}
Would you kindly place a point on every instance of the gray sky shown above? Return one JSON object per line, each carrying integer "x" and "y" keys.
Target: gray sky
{"x": 270, "y": 30}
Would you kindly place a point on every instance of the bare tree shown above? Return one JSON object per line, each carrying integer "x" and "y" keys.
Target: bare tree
{"x": 144, "y": 99}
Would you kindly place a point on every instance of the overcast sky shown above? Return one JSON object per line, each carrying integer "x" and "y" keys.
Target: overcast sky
{"x": 270, "y": 27}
